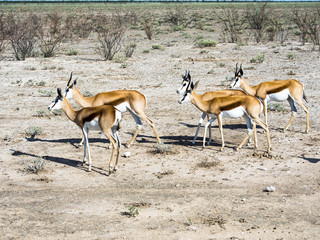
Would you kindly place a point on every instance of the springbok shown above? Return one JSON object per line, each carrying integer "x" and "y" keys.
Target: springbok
{"x": 105, "y": 118}
{"x": 205, "y": 97}
{"x": 122, "y": 100}
{"x": 234, "y": 106}
{"x": 277, "y": 90}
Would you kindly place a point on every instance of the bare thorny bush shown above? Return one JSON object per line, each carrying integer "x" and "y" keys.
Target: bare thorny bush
{"x": 257, "y": 17}
{"x": 110, "y": 31}
{"x": 54, "y": 28}
{"x": 308, "y": 23}
{"x": 231, "y": 23}
{"x": 278, "y": 27}
{"x": 22, "y": 34}
{"x": 3, "y": 42}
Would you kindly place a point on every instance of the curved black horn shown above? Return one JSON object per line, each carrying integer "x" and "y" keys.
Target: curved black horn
{"x": 241, "y": 66}
{"x": 236, "y": 67}
{"x": 69, "y": 79}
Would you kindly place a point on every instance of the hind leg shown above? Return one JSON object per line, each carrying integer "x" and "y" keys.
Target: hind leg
{"x": 150, "y": 122}
{"x": 306, "y": 109}
{"x": 265, "y": 127}
{"x": 293, "y": 113}
{"x": 139, "y": 126}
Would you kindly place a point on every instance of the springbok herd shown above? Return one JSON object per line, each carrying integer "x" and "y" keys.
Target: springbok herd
{"x": 103, "y": 111}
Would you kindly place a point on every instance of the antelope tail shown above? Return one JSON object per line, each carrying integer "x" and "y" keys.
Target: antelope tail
{"x": 305, "y": 97}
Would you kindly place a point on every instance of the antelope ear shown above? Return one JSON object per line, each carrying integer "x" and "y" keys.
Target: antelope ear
{"x": 59, "y": 93}
{"x": 196, "y": 84}
{"x": 74, "y": 83}
{"x": 241, "y": 72}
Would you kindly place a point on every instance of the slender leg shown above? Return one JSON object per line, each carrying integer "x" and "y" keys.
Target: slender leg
{"x": 85, "y": 133}
{"x": 198, "y": 128}
{"x": 115, "y": 134}
{"x": 221, "y": 130}
{"x": 210, "y": 131}
{"x": 250, "y": 130}
{"x": 139, "y": 126}
{"x": 306, "y": 109}
{"x": 255, "y": 134}
{"x": 113, "y": 141}
{"x": 150, "y": 122}
{"x": 265, "y": 108}
{"x": 81, "y": 142}
{"x": 265, "y": 127}
{"x": 205, "y": 131}
{"x": 293, "y": 113}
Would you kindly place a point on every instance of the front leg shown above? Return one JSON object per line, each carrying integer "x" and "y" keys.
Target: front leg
{"x": 221, "y": 131}
{"x": 205, "y": 131}
{"x": 265, "y": 107}
{"x": 198, "y": 128}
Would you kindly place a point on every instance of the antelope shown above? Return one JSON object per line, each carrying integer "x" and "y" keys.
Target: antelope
{"x": 277, "y": 90}
{"x": 234, "y": 106}
{"x": 105, "y": 118}
{"x": 205, "y": 97}
{"x": 122, "y": 100}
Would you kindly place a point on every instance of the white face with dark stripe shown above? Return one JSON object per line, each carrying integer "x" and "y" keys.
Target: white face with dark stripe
{"x": 237, "y": 77}
{"x": 183, "y": 87}
{"x": 56, "y": 104}
{"x": 68, "y": 92}
{"x": 185, "y": 98}
{"x": 185, "y": 83}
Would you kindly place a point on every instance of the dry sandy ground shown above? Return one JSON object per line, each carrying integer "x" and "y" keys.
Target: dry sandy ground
{"x": 188, "y": 193}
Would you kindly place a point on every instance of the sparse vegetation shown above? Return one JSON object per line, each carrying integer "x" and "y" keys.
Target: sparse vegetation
{"x": 129, "y": 49}
{"x": 46, "y": 93}
{"x": 33, "y": 131}
{"x": 132, "y": 212}
{"x": 72, "y": 52}
{"x": 157, "y": 47}
{"x": 162, "y": 148}
{"x": 35, "y": 165}
{"x": 258, "y": 59}
{"x": 202, "y": 43}
{"x": 277, "y": 107}
{"x": 290, "y": 56}
{"x": 40, "y": 113}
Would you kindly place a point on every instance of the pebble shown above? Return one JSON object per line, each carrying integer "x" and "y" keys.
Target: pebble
{"x": 271, "y": 189}
{"x": 127, "y": 154}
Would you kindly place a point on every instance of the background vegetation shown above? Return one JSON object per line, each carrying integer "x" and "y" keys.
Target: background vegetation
{"x": 32, "y": 30}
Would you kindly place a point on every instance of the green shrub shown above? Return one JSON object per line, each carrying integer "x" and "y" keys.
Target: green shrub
{"x": 205, "y": 43}
{"x": 258, "y": 59}
{"x": 33, "y": 131}
{"x": 157, "y": 47}
{"x": 35, "y": 165}
{"x": 72, "y": 52}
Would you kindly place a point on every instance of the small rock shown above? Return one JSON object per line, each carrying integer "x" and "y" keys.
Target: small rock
{"x": 263, "y": 169}
{"x": 127, "y": 154}
{"x": 192, "y": 228}
{"x": 270, "y": 189}
{"x": 243, "y": 199}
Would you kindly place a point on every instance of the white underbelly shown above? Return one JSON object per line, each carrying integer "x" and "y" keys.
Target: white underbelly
{"x": 93, "y": 125}
{"x": 279, "y": 96}
{"x": 234, "y": 113}
{"x": 122, "y": 107}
